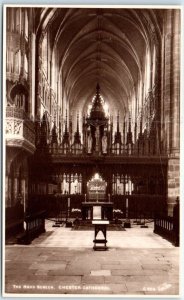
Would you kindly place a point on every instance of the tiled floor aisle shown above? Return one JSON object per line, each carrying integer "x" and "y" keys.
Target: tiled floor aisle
{"x": 62, "y": 261}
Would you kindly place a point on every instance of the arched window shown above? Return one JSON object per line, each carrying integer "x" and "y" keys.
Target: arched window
{"x": 19, "y": 96}
{"x": 18, "y": 20}
{"x": 26, "y": 25}
{"x": 148, "y": 72}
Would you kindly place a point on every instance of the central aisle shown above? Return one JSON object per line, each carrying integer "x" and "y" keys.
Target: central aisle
{"x": 135, "y": 237}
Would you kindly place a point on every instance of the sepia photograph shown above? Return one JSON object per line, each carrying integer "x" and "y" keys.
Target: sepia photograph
{"x": 91, "y": 125}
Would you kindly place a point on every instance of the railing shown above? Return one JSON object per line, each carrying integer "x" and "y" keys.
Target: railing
{"x": 15, "y": 112}
{"x": 35, "y": 225}
{"x": 58, "y": 150}
{"x": 19, "y": 129}
{"x": 166, "y": 227}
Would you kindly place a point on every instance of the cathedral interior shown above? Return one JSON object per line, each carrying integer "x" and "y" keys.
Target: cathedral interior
{"x": 92, "y": 146}
{"x": 92, "y": 109}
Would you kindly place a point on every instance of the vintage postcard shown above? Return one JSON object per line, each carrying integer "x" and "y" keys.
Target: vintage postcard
{"x": 92, "y": 150}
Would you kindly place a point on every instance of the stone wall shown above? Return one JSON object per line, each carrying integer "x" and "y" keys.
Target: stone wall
{"x": 173, "y": 183}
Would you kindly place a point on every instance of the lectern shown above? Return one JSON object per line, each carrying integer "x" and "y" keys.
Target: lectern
{"x": 100, "y": 225}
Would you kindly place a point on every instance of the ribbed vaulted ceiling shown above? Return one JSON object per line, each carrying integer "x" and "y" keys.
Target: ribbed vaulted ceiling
{"x": 100, "y": 45}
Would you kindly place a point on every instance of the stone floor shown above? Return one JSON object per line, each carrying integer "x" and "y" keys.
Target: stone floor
{"x": 62, "y": 261}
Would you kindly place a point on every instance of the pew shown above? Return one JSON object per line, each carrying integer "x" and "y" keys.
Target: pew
{"x": 34, "y": 226}
{"x": 165, "y": 227}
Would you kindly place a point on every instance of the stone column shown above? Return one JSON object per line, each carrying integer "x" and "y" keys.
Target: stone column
{"x": 173, "y": 163}
{"x": 38, "y": 76}
{"x": 175, "y": 100}
{"x": 167, "y": 76}
{"x": 173, "y": 183}
{"x": 22, "y": 68}
{"x": 32, "y": 74}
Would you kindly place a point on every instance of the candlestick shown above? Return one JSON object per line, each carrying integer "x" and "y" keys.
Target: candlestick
{"x": 126, "y": 207}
